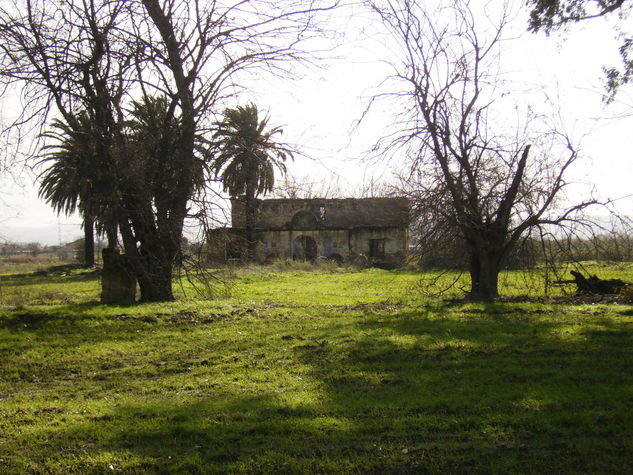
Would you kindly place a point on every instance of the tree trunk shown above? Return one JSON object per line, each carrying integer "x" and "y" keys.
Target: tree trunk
{"x": 89, "y": 242}
{"x": 484, "y": 276}
{"x": 111, "y": 233}
{"x": 156, "y": 286}
{"x": 159, "y": 233}
{"x": 156, "y": 257}
{"x": 151, "y": 261}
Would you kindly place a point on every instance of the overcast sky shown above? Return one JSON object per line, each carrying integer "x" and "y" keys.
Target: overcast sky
{"x": 318, "y": 112}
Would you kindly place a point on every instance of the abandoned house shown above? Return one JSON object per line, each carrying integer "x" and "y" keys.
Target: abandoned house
{"x": 371, "y": 229}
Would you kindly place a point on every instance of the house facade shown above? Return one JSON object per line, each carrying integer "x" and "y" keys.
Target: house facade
{"x": 373, "y": 229}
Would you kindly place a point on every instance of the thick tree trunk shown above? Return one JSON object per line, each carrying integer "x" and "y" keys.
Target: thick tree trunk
{"x": 151, "y": 259}
{"x": 156, "y": 256}
{"x": 111, "y": 233}
{"x": 89, "y": 242}
{"x": 484, "y": 275}
{"x": 157, "y": 281}
{"x": 157, "y": 285}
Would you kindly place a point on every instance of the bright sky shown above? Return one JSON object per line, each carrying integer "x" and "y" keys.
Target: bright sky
{"x": 318, "y": 113}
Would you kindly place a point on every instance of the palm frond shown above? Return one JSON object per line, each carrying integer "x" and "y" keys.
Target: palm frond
{"x": 247, "y": 152}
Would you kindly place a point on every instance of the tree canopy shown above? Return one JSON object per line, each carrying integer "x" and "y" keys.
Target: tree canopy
{"x": 247, "y": 152}
{"x": 551, "y": 14}
{"x": 72, "y": 179}
{"x": 110, "y": 59}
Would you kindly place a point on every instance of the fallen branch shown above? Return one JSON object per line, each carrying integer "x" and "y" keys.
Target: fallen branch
{"x": 595, "y": 285}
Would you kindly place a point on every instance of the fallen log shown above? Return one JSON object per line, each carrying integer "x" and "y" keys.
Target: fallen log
{"x": 595, "y": 285}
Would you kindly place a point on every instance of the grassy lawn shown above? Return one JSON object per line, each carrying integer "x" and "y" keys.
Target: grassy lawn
{"x": 310, "y": 372}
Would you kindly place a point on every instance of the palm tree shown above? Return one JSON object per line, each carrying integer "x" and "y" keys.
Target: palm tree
{"x": 71, "y": 182}
{"x": 247, "y": 159}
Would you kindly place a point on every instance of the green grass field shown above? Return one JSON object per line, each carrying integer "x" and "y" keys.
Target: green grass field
{"x": 312, "y": 371}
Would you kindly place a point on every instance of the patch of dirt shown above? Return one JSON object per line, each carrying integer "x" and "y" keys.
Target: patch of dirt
{"x": 27, "y": 320}
{"x": 193, "y": 318}
{"x": 571, "y": 299}
{"x": 60, "y": 270}
{"x": 578, "y": 299}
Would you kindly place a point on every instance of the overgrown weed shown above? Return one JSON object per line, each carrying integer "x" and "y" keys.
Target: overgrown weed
{"x": 289, "y": 265}
{"x": 207, "y": 284}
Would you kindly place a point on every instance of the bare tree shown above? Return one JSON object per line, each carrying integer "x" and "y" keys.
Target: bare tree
{"x": 103, "y": 56}
{"x": 307, "y": 187}
{"x": 470, "y": 173}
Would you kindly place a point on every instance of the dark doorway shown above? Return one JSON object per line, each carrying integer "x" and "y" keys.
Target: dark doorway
{"x": 304, "y": 248}
{"x": 377, "y": 248}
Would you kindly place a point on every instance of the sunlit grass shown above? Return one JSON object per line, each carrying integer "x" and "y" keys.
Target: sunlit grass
{"x": 311, "y": 371}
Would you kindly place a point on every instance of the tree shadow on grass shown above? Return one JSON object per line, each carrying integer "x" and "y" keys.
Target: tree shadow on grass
{"x": 249, "y": 434}
{"x": 38, "y": 318}
{"x": 407, "y": 392}
{"x": 497, "y": 390}
{"x": 37, "y": 278}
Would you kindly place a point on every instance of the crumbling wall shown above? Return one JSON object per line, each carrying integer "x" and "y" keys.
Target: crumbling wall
{"x": 394, "y": 247}
{"x": 341, "y": 244}
{"x": 281, "y": 244}
{"x": 374, "y": 229}
{"x": 309, "y": 214}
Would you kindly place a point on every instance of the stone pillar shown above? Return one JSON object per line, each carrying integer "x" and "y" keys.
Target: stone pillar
{"x": 118, "y": 283}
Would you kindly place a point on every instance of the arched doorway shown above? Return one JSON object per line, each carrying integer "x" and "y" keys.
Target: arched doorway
{"x": 304, "y": 248}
